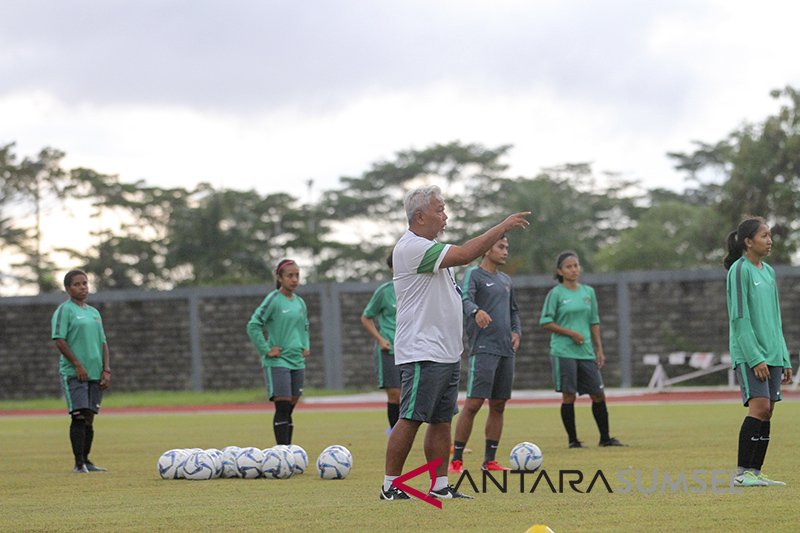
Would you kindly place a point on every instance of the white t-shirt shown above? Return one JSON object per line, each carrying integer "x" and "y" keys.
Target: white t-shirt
{"x": 429, "y": 321}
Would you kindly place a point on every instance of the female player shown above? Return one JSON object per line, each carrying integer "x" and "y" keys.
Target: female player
{"x": 284, "y": 318}
{"x": 382, "y": 308}
{"x": 77, "y": 330}
{"x": 758, "y": 349}
{"x": 570, "y": 314}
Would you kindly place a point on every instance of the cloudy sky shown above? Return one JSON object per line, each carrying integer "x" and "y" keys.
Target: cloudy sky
{"x": 267, "y": 94}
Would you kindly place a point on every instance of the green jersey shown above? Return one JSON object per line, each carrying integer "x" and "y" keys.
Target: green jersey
{"x": 754, "y": 312}
{"x": 285, "y": 322}
{"x": 575, "y": 310}
{"x": 383, "y": 307}
{"x": 82, "y": 329}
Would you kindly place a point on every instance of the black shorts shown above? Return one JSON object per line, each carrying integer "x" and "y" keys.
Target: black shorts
{"x": 429, "y": 391}
{"x": 752, "y": 387}
{"x": 82, "y": 395}
{"x": 490, "y": 376}
{"x": 576, "y": 376}
{"x": 283, "y": 382}
{"x": 388, "y": 372}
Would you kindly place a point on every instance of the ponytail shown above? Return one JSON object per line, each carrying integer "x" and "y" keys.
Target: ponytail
{"x": 735, "y": 241}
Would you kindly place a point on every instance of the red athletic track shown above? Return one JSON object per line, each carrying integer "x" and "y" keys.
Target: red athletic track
{"x": 347, "y": 404}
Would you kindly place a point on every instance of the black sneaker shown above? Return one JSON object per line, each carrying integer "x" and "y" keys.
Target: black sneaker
{"x": 91, "y": 467}
{"x": 576, "y": 444}
{"x": 611, "y": 442}
{"x": 394, "y": 494}
{"x": 448, "y": 493}
{"x": 80, "y": 469}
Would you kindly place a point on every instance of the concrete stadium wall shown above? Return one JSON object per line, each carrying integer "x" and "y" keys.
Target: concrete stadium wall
{"x": 195, "y": 339}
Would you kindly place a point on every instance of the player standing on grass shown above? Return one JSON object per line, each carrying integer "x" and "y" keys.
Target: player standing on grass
{"x": 77, "y": 330}
{"x": 493, "y": 329}
{"x": 758, "y": 349}
{"x": 576, "y": 350}
{"x": 429, "y": 329}
{"x": 382, "y": 307}
{"x": 284, "y": 318}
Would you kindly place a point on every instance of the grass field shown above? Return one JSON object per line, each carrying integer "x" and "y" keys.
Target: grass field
{"x": 39, "y": 493}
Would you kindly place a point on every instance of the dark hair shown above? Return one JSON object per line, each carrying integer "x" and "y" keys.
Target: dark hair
{"x": 71, "y": 274}
{"x": 279, "y": 269}
{"x": 563, "y": 256}
{"x": 390, "y": 260}
{"x": 735, "y": 241}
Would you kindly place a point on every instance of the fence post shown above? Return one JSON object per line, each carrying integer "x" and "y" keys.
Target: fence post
{"x": 331, "y": 317}
{"x": 194, "y": 342}
{"x": 624, "y": 331}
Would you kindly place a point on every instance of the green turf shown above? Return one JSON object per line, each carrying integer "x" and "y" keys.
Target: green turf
{"x": 39, "y": 493}
{"x": 168, "y": 398}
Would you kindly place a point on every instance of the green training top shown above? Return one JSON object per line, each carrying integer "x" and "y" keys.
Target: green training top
{"x": 383, "y": 307}
{"x": 82, "y": 329}
{"x": 285, "y": 322}
{"x": 756, "y": 330}
{"x": 575, "y": 310}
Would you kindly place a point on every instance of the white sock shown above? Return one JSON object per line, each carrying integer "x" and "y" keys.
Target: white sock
{"x": 387, "y": 481}
{"x": 440, "y": 483}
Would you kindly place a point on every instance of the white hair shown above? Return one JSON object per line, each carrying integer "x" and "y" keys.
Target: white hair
{"x": 419, "y": 200}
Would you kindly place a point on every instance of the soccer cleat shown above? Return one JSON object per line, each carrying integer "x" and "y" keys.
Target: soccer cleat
{"x": 456, "y": 466}
{"x": 748, "y": 479}
{"x": 611, "y": 442}
{"x": 80, "y": 469}
{"x": 493, "y": 465}
{"x": 576, "y": 444}
{"x": 448, "y": 493}
{"x": 91, "y": 467}
{"x": 763, "y": 477}
{"x": 394, "y": 494}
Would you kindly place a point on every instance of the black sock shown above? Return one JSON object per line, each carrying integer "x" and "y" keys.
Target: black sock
{"x": 748, "y": 440}
{"x": 87, "y": 442}
{"x": 393, "y": 412}
{"x": 458, "y": 450}
{"x": 280, "y": 422}
{"x": 568, "y": 418}
{"x": 600, "y": 412}
{"x": 490, "y": 450}
{"x": 291, "y": 424}
{"x": 77, "y": 437}
{"x": 761, "y": 448}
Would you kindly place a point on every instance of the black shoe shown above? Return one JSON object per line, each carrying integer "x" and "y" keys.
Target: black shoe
{"x": 91, "y": 467}
{"x": 576, "y": 444}
{"x": 611, "y": 441}
{"x": 80, "y": 469}
{"x": 394, "y": 494}
{"x": 448, "y": 493}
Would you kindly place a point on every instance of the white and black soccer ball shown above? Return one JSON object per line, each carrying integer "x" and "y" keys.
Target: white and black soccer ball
{"x": 170, "y": 463}
{"x": 278, "y": 463}
{"x": 525, "y": 456}
{"x": 334, "y": 462}
{"x": 198, "y": 466}
{"x": 249, "y": 461}
{"x": 300, "y": 458}
{"x": 216, "y": 457}
{"x": 229, "y": 468}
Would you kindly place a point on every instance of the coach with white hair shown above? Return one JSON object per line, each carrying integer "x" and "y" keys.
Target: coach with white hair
{"x": 428, "y": 342}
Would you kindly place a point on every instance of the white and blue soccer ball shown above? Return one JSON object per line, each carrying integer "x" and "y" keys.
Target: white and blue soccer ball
{"x": 249, "y": 461}
{"x": 525, "y": 456}
{"x": 170, "y": 463}
{"x": 300, "y": 458}
{"x": 334, "y": 462}
{"x": 278, "y": 463}
{"x": 216, "y": 457}
{"x": 198, "y": 466}
{"x": 229, "y": 468}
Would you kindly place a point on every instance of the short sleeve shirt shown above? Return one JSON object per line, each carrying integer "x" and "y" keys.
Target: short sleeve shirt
{"x": 82, "y": 329}
{"x": 429, "y": 323}
{"x": 383, "y": 307}
{"x": 575, "y": 310}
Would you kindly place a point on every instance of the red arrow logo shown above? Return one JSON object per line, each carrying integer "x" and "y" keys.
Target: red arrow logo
{"x": 430, "y": 468}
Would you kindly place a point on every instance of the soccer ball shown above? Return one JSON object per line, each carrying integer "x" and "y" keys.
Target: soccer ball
{"x": 216, "y": 457}
{"x": 278, "y": 463}
{"x": 300, "y": 458}
{"x": 249, "y": 461}
{"x": 525, "y": 456}
{"x": 199, "y": 465}
{"x": 229, "y": 454}
{"x": 170, "y": 462}
{"x": 334, "y": 462}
